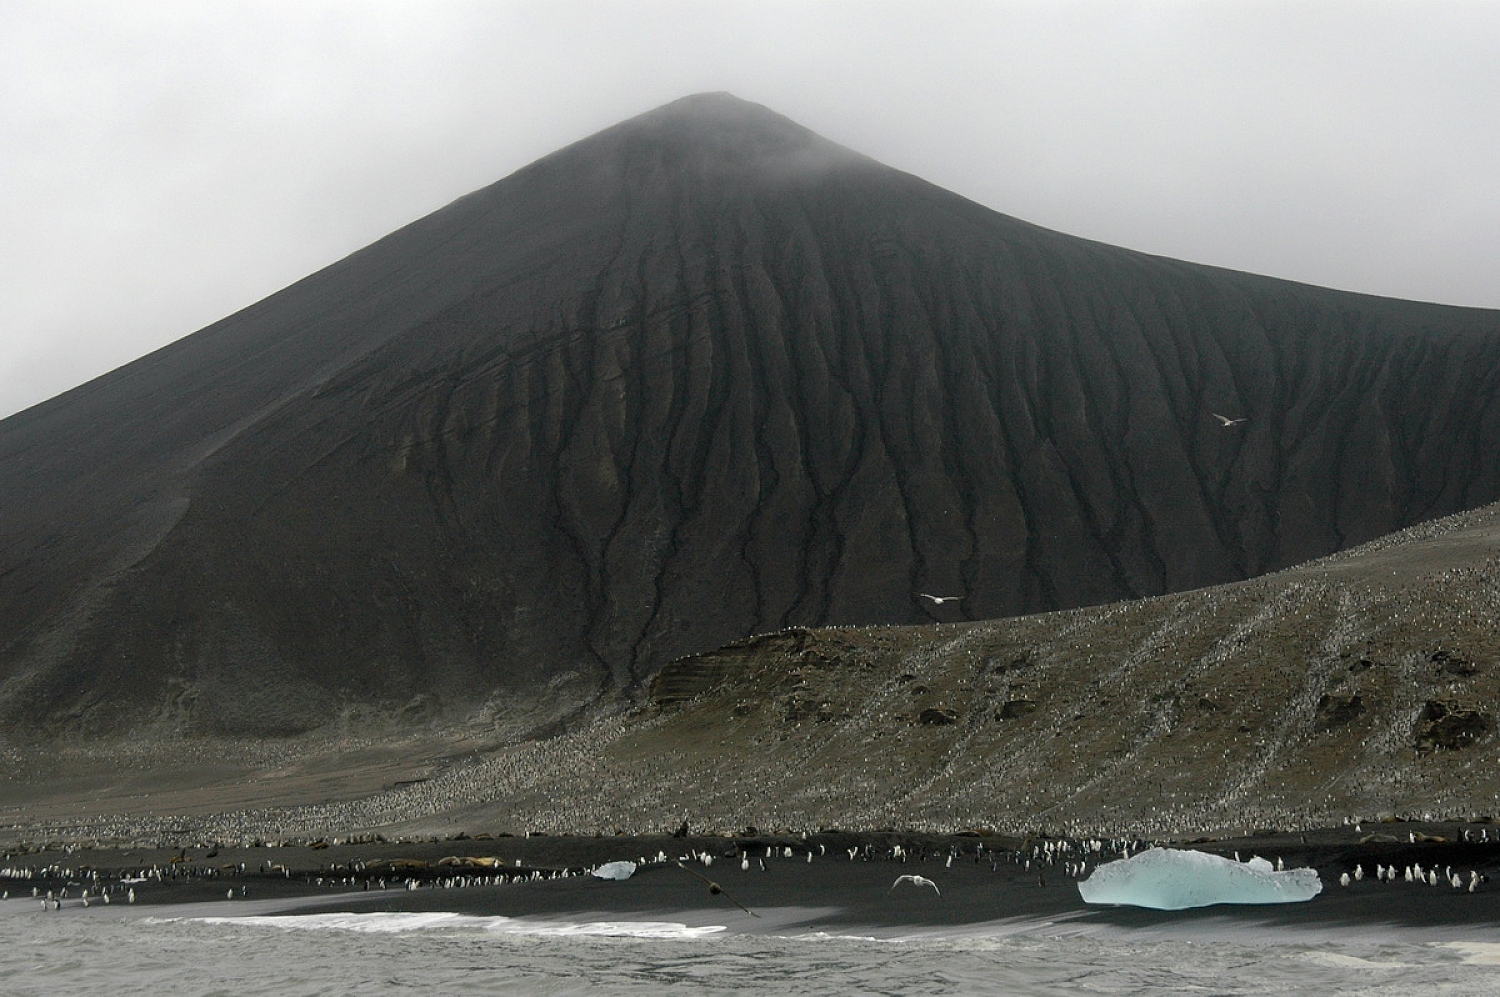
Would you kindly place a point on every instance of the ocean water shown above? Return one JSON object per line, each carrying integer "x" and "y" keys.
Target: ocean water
{"x": 197, "y": 951}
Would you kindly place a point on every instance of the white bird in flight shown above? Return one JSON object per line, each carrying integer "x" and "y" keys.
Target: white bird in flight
{"x": 915, "y": 881}
{"x": 1226, "y": 420}
{"x": 938, "y": 600}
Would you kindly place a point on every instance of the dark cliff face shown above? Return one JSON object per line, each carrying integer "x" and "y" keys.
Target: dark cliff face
{"x": 701, "y": 375}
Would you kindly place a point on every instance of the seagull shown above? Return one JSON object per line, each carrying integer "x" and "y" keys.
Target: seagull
{"x": 1226, "y": 420}
{"x": 915, "y": 881}
{"x": 938, "y": 600}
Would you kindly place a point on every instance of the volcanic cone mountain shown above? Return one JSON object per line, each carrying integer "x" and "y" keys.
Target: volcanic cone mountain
{"x": 701, "y": 375}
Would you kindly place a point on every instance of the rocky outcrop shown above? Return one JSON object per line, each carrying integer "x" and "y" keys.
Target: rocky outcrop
{"x": 699, "y": 376}
{"x": 1013, "y": 709}
{"x": 1452, "y": 663}
{"x": 1335, "y": 709}
{"x": 786, "y": 652}
{"x": 1451, "y": 726}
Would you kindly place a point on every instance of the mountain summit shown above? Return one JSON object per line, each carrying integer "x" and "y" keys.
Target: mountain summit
{"x": 700, "y": 375}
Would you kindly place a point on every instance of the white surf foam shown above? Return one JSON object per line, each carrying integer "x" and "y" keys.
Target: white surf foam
{"x": 392, "y": 922}
{"x": 1476, "y": 953}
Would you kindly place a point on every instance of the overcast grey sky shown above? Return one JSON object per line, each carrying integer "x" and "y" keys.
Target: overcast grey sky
{"x": 166, "y": 163}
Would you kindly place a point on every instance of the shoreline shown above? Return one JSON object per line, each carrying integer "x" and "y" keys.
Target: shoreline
{"x": 796, "y": 883}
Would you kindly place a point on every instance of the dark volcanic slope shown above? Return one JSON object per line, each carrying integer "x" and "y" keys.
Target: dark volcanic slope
{"x": 700, "y": 375}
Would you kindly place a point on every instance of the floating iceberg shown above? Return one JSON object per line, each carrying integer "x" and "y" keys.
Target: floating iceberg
{"x": 1172, "y": 879}
{"x": 615, "y": 870}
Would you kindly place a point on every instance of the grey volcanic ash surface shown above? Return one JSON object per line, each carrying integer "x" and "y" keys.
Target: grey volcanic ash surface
{"x": 699, "y": 376}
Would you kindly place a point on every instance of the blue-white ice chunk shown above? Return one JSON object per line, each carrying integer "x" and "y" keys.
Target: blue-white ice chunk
{"x": 615, "y": 870}
{"x": 1172, "y": 879}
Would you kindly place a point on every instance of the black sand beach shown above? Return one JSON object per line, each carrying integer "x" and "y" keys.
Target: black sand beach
{"x": 790, "y": 882}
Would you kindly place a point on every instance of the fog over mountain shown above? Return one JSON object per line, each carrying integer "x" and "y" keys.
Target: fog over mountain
{"x": 701, "y": 375}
